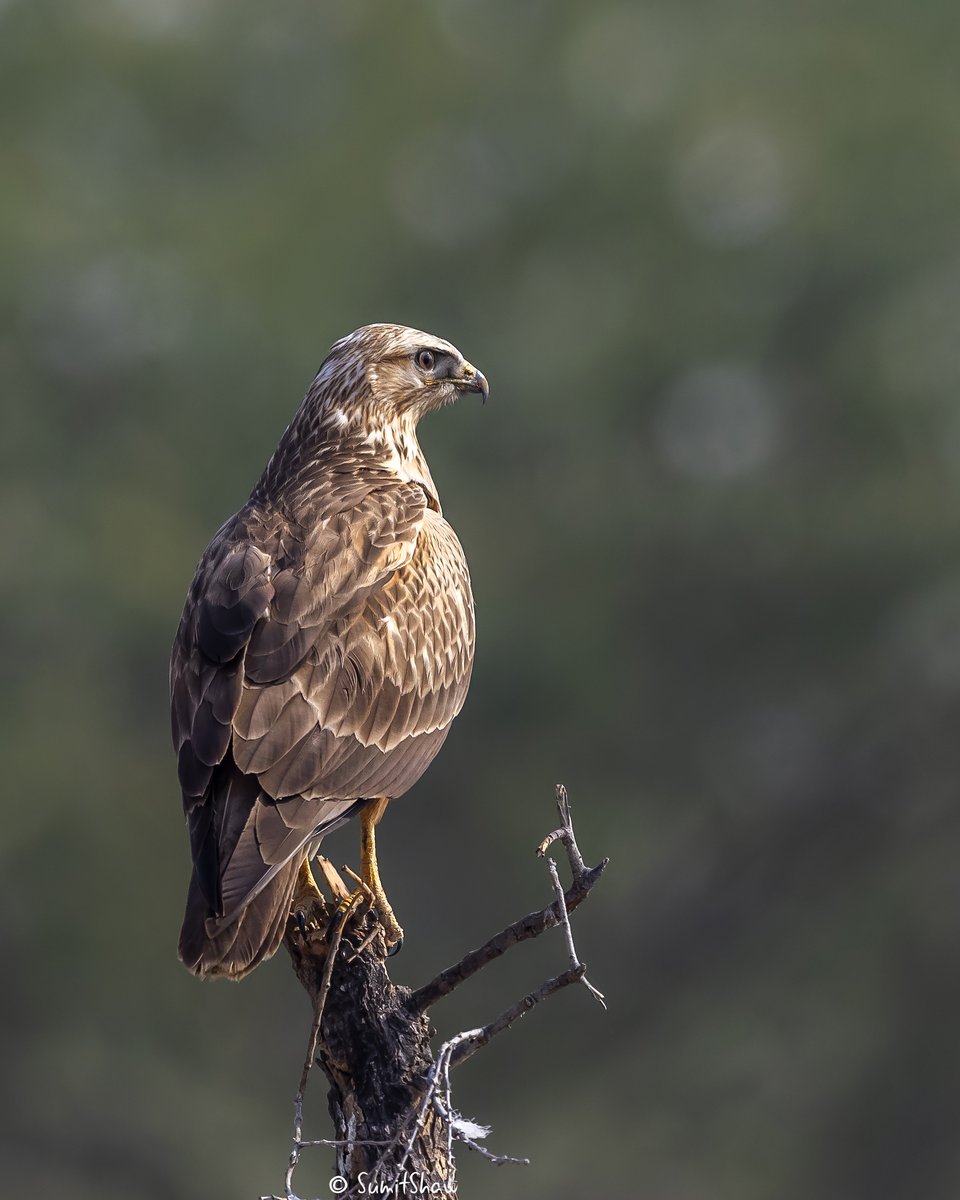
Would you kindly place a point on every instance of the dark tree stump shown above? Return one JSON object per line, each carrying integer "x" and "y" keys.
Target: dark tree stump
{"x": 390, "y": 1093}
{"x": 374, "y": 1049}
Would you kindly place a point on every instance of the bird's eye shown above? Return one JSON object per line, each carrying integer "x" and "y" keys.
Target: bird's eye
{"x": 425, "y": 360}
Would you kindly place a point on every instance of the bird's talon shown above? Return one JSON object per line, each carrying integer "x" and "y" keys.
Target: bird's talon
{"x": 363, "y": 900}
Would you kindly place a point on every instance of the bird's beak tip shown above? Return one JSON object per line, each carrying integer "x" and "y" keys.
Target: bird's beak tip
{"x": 473, "y": 380}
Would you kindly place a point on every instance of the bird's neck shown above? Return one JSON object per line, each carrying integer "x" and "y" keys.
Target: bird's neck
{"x": 395, "y": 446}
{"x": 304, "y": 457}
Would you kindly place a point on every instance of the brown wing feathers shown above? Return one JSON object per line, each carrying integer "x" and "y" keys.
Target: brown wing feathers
{"x": 298, "y": 691}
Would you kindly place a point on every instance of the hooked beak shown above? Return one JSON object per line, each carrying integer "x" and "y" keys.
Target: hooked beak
{"x": 472, "y": 380}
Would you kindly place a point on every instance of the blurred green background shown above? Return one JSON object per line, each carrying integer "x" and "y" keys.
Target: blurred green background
{"x": 709, "y": 257}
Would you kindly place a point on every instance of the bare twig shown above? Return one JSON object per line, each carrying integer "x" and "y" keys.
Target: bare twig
{"x": 334, "y": 934}
{"x": 478, "y": 1038}
{"x": 344, "y": 1142}
{"x": 458, "y": 1127}
{"x": 571, "y": 948}
{"x": 530, "y": 926}
{"x": 437, "y": 1071}
{"x": 559, "y": 912}
{"x": 565, "y": 834}
{"x": 439, "y": 1076}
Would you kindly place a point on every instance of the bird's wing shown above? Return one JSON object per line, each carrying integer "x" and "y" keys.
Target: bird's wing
{"x": 309, "y": 675}
{"x": 367, "y": 708}
{"x": 261, "y": 604}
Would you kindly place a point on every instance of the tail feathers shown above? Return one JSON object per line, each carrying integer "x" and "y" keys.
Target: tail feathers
{"x": 208, "y": 946}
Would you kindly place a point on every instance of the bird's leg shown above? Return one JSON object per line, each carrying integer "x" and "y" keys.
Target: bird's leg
{"x": 308, "y": 902}
{"x": 370, "y": 874}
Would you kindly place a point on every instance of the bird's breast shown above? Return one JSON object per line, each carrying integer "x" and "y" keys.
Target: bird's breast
{"x": 429, "y": 618}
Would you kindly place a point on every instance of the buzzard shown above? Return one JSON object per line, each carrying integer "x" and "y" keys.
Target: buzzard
{"x": 325, "y": 646}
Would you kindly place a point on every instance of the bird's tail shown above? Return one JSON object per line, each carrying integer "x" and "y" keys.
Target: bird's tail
{"x": 232, "y": 950}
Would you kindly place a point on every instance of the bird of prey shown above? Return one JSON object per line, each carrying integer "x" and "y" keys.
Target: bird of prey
{"x": 325, "y": 646}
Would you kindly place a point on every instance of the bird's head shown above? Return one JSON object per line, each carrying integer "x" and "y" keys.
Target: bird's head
{"x": 386, "y": 373}
{"x": 370, "y": 392}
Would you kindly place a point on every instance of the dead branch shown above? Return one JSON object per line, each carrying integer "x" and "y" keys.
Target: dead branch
{"x": 478, "y": 1038}
{"x": 575, "y": 963}
{"x": 390, "y": 1097}
{"x": 530, "y": 926}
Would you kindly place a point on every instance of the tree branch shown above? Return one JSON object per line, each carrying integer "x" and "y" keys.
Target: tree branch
{"x": 478, "y": 1038}
{"x": 530, "y": 926}
{"x": 390, "y": 1096}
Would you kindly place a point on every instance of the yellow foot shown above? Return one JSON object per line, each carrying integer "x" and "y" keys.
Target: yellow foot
{"x": 361, "y": 901}
{"x": 309, "y": 908}
{"x": 392, "y": 929}
{"x": 370, "y": 874}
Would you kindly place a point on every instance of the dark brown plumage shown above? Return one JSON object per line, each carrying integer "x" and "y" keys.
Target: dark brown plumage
{"x": 326, "y": 642}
